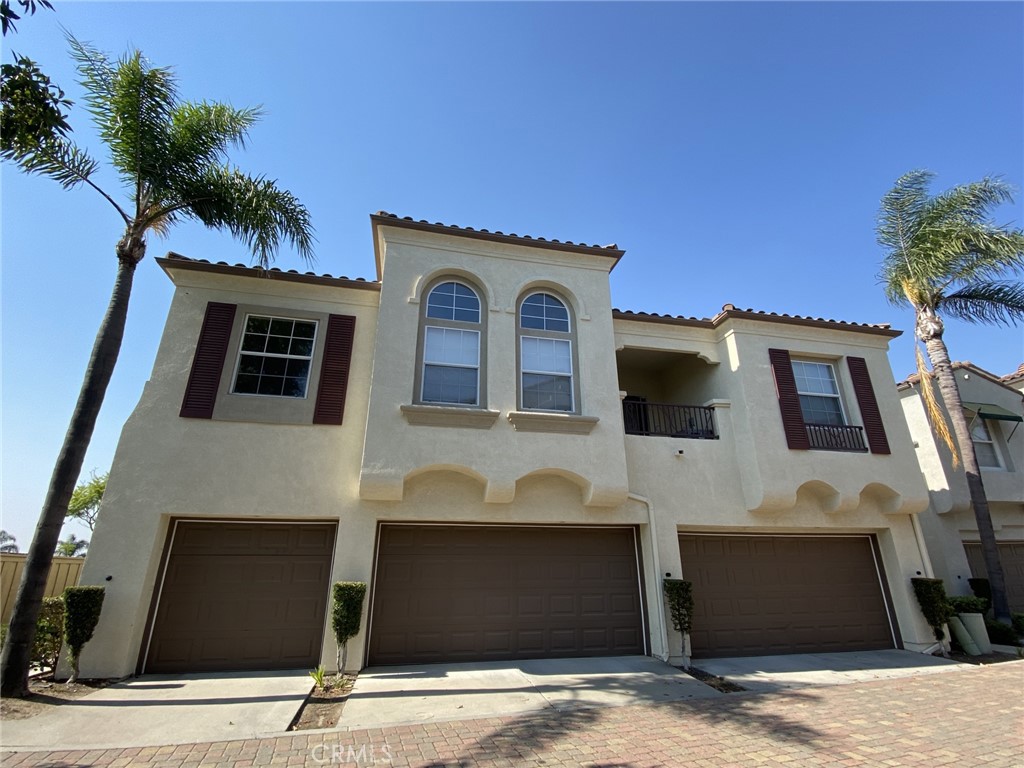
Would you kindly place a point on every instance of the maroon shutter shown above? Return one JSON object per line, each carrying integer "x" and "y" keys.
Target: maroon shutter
{"x": 873, "y": 427}
{"x": 330, "y": 395}
{"x": 789, "y": 400}
{"x": 204, "y": 380}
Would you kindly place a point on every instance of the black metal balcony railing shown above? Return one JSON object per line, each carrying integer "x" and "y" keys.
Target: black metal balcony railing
{"x": 666, "y": 420}
{"x": 830, "y": 437}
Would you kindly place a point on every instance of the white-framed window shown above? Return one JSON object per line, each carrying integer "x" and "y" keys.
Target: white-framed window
{"x": 546, "y": 362}
{"x": 275, "y": 356}
{"x": 450, "y": 346}
{"x": 984, "y": 444}
{"x": 819, "y": 393}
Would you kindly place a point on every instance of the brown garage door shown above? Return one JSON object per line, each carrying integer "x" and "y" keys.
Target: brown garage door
{"x": 1011, "y": 556}
{"x": 462, "y": 593}
{"x": 239, "y": 596}
{"x": 762, "y": 595}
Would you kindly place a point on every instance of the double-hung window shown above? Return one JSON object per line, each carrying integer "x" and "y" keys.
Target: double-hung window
{"x": 819, "y": 394}
{"x": 275, "y": 356}
{"x": 984, "y": 444}
{"x": 450, "y": 373}
{"x": 546, "y": 354}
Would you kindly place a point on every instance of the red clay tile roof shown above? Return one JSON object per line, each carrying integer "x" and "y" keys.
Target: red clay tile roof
{"x": 176, "y": 260}
{"x": 730, "y": 312}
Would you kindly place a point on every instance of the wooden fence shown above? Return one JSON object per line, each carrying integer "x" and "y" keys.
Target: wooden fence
{"x": 63, "y": 573}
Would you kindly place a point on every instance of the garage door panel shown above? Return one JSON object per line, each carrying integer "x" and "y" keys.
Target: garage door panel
{"x": 242, "y": 596}
{"x": 784, "y": 595}
{"x": 533, "y": 592}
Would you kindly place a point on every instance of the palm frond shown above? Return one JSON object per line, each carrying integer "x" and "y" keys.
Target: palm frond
{"x": 97, "y": 74}
{"x": 995, "y": 302}
{"x": 933, "y": 412}
{"x": 199, "y": 137}
{"x": 897, "y": 225}
{"x": 253, "y": 209}
{"x": 62, "y": 161}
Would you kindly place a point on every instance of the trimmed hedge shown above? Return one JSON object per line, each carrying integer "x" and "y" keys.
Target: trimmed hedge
{"x": 346, "y": 616}
{"x": 981, "y": 588}
{"x": 679, "y": 595}
{"x": 968, "y": 604}
{"x": 1002, "y": 634}
{"x": 49, "y": 634}
{"x": 82, "y": 606}
{"x": 931, "y": 596}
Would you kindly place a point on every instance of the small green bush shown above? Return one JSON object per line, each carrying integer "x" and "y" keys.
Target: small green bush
{"x": 1000, "y": 633}
{"x": 82, "y": 606}
{"x": 49, "y": 634}
{"x": 931, "y": 596}
{"x": 980, "y": 587}
{"x": 679, "y": 595}
{"x": 968, "y": 604}
{"x": 1018, "y": 622}
{"x": 346, "y": 616}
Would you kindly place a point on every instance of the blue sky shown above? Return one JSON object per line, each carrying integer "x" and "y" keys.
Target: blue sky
{"x": 737, "y": 151}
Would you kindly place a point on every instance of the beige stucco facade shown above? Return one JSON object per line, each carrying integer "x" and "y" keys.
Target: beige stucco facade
{"x": 396, "y": 459}
{"x": 949, "y": 520}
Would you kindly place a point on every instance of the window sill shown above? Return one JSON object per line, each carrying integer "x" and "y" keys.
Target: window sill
{"x": 541, "y": 421}
{"x": 449, "y": 416}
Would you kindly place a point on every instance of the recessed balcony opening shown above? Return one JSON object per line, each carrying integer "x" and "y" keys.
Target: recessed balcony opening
{"x": 665, "y": 393}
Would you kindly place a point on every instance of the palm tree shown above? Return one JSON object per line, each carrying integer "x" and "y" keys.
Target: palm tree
{"x": 172, "y": 159}
{"x": 8, "y": 544}
{"x": 944, "y": 256}
{"x": 72, "y": 546}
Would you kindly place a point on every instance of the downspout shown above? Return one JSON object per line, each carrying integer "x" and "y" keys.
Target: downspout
{"x": 660, "y": 604}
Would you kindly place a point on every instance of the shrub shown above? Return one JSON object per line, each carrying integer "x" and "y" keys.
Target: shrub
{"x": 679, "y": 595}
{"x": 49, "y": 634}
{"x": 82, "y": 607}
{"x": 931, "y": 596}
{"x": 346, "y": 615}
{"x": 1018, "y": 622}
{"x": 968, "y": 604}
{"x": 980, "y": 587}
{"x": 1000, "y": 633}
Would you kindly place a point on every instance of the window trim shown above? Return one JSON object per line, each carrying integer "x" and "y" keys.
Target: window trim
{"x": 238, "y": 356}
{"x": 480, "y": 328}
{"x": 569, "y": 336}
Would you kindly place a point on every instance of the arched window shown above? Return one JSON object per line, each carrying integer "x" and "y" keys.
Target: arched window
{"x": 546, "y": 355}
{"x": 451, "y": 326}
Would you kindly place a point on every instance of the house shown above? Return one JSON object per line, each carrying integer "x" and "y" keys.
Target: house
{"x": 994, "y": 410}
{"x": 511, "y": 465}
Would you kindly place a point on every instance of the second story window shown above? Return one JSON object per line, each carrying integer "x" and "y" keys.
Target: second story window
{"x": 275, "y": 357}
{"x": 546, "y": 355}
{"x": 450, "y": 346}
{"x": 819, "y": 395}
{"x": 984, "y": 444}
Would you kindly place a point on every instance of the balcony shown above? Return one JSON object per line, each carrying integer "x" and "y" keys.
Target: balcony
{"x": 668, "y": 420}
{"x": 831, "y": 437}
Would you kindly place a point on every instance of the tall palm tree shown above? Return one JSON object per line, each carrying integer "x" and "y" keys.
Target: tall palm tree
{"x": 172, "y": 159}
{"x": 946, "y": 257}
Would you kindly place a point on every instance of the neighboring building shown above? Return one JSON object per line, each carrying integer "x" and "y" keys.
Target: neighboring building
{"x": 994, "y": 411}
{"x": 509, "y": 463}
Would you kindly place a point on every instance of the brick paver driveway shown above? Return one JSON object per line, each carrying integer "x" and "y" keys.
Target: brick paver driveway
{"x": 969, "y": 718}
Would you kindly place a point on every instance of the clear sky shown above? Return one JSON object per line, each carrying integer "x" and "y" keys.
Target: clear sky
{"x": 737, "y": 151}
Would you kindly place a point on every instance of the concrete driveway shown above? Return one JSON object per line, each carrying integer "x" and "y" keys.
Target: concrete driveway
{"x": 385, "y": 696}
{"x": 168, "y": 709}
{"x": 767, "y": 674}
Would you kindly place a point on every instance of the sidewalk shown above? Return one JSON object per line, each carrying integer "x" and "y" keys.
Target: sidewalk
{"x": 972, "y": 718}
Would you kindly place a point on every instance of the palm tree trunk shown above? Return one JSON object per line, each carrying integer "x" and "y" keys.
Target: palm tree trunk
{"x": 14, "y": 663}
{"x": 929, "y": 330}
